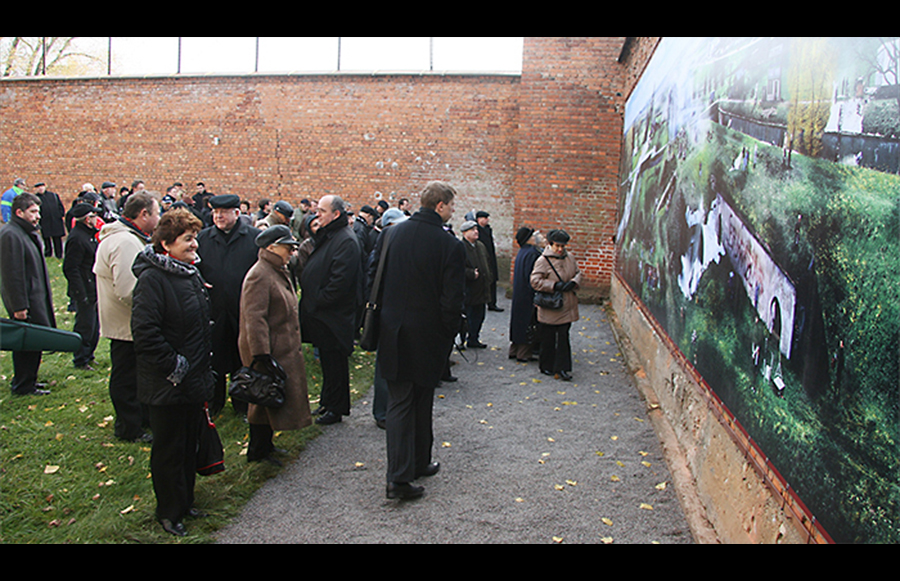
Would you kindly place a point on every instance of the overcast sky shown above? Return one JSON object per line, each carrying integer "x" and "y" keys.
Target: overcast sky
{"x": 159, "y": 55}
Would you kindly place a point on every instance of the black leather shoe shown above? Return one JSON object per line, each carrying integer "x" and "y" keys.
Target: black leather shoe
{"x": 495, "y": 308}
{"x": 429, "y": 470}
{"x": 319, "y": 411}
{"x": 404, "y": 490}
{"x": 545, "y": 372}
{"x": 328, "y": 418}
{"x": 381, "y": 424}
{"x": 449, "y": 378}
{"x": 196, "y": 513}
{"x": 176, "y": 528}
{"x": 34, "y": 391}
{"x": 478, "y": 345}
{"x": 565, "y": 376}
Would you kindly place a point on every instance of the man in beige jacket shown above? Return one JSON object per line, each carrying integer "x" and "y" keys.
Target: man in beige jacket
{"x": 120, "y": 242}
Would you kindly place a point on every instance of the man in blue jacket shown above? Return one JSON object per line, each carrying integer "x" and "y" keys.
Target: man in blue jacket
{"x": 6, "y": 202}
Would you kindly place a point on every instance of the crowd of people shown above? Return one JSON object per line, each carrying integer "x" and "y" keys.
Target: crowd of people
{"x": 188, "y": 289}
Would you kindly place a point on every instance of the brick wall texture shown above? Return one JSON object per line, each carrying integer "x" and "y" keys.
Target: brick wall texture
{"x": 540, "y": 148}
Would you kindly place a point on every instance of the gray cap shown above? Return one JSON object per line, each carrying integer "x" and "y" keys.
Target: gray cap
{"x": 467, "y": 225}
{"x": 283, "y": 208}
{"x": 278, "y": 234}
{"x": 392, "y": 216}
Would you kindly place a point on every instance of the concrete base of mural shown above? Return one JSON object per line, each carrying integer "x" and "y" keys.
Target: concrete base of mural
{"x": 723, "y": 497}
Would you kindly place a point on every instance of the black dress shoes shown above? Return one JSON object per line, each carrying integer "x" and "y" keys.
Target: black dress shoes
{"x": 495, "y": 308}
{"x": 449, "y": 378}
{"x": 175, "y": 528}
{"x": 404, "y": 490}
{"x": 429, "y": 470}
{"x": 565, "y": 376}
{"x": 34, "y": 391}
{"x": 545, "y": 372}
{"x": 328, "y": 418}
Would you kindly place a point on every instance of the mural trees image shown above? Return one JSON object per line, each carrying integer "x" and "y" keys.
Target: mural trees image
{"x": 760, "y": 226}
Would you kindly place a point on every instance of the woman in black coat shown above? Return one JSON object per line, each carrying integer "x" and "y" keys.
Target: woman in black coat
{"x": 522, "y": 343}
{"x": 171, "y": 327}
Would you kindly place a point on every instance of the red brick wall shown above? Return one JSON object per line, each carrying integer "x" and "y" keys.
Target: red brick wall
{"x": 541, "y": 149}
{"x": 571, "y": 107}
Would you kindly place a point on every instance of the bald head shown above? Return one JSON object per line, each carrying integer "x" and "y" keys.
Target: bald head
{"x": 330, "y": 208}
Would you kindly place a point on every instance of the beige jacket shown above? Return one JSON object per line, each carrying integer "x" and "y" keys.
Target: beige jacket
{"x": 543, "y": 278}
{"x": 118, "y": 247}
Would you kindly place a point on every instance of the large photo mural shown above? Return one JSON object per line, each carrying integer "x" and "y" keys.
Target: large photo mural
{"x": 759, "y": 226}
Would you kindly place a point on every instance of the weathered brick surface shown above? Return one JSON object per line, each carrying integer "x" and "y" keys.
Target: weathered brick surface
{"x": 539, "y": 149}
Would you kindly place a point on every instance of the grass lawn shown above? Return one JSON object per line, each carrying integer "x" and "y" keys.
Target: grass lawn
{"x": 64, "y": 477}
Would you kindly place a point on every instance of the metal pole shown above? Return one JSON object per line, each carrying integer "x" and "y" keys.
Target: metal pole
{"x": 179, "y": 56}
{"x": 256, "y": 64}
{"x": 430, "y": 53}
{"x": 109, "y": 57}
{"x": 44, "y": 55}
{"x": 339, "y": 53}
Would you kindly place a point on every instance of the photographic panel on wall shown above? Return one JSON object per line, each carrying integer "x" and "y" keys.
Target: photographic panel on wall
{"x": 759, "y": 226}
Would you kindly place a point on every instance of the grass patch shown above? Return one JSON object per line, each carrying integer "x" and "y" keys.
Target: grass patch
{"x": 64, "y": 477}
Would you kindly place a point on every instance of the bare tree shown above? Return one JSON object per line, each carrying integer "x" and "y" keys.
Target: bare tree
{"x": 39, "y": 55}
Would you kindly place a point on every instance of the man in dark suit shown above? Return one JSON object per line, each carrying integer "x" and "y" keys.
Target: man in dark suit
{"x": 53, "y": 230}
{"x": 332, "y": 290}
{"x": 422, "y": 295}
{"x": 25, "y": 285}
{"x": 227, "y": 250}
{"x": 78, "y": 268}
{"x": 486, "y": 236}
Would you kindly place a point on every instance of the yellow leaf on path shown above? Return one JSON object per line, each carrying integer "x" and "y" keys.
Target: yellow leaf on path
{"x": 599, "y": 453}
{"x": 620, "y": 463}
{"x": 645, "y": 463}
{"x": 359, "y": 464}
{"x": 557, "y": 539}
{"x": 550, "y": 440}
{"x": 50, "y": 469}
{"x": 520, "y": 499}
{"x": 614, "y": 438}
{"x": 661, "y": 486}
{"x": 642, "y": 453}
{"x": 606, "y": 540}
{"x": 606, "y": 521}
{"x": 559, "y": 487}
{"x": 445, "y": 445}
{"x": 646, "y": 506}
{"x": 571, "y": 482}
{"x": 615, "y": 478}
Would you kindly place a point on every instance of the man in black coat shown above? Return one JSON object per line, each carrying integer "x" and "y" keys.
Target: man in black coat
{"x": 332, "y": 290}
{"x": 78, "y": 268}
{"x": 486, "y": 236}
{"x": 52, "y": 227}
{"x": 227, "y": 250}
{"x": 25, "y": 285}
{"x": 422, "y": 294}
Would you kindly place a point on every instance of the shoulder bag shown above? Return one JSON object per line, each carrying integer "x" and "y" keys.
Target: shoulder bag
{"x": 549, "y": 300}
{"x": 210, "y": 455}
{"x": 368, "y": 337}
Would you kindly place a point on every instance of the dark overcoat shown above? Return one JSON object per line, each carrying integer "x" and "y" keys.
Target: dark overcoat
{"x": 225, "y": 260}
{"x": 478, "y": 290}
{"x": 270, "y": 324}
{"x": 78, "y": 263}
{"x": 52, "y": 214}
{"x": 25, "y": 282}
{"x": 422, "y": 294}
{"x": 332, "y": 288}
{"x": 486, "y": 236}
{"x": 522, "y": 294}
{"x": 170, "y": 324}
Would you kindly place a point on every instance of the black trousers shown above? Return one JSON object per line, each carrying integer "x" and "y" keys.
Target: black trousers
{"x": 87, "y": 324}
{"x": 408, "y": 430}
{"x": 173, "y": 458}
{"x": 131, "y": 415}
{"x": 25, "y": 371}
{"x": 335, "y": 381}
{"x": 53, "y": 244}
{"x": 556, "y": 352}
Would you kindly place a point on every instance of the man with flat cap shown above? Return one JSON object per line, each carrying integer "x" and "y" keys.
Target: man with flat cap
{"x": 78, "y": 268}
{"x": 281, "y": 214}
{"x": 227, "y": 250}
{"x": 486, "y": 236}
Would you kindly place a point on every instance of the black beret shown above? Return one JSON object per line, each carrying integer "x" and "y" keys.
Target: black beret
{"x": 482, "y": 214}
{"x": 369, "y": 210}
{"x": 225, "y": 201}
{"x": 283, "y": 208}
{"x": 278, "y": 234}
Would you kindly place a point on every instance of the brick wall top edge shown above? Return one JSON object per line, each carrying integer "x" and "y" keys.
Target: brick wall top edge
{"x": 511, "y": 76}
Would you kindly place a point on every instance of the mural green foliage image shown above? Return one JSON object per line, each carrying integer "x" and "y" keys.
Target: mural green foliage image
{"x": 760, "y": 226}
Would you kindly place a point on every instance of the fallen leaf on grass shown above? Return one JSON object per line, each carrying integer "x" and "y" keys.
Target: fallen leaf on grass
{"x": 127, "y": 509}
{"x": 50, "y": 469}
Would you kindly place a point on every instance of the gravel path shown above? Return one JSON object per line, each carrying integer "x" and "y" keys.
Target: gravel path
{"x": 525, "y": 458}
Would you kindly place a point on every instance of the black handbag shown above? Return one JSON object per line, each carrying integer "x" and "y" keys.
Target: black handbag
{"x": 210, "y": 454}
{"x": 257, "y": 387}
{"x": 552, "y": 300}
{"x": 368, "y": 336}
